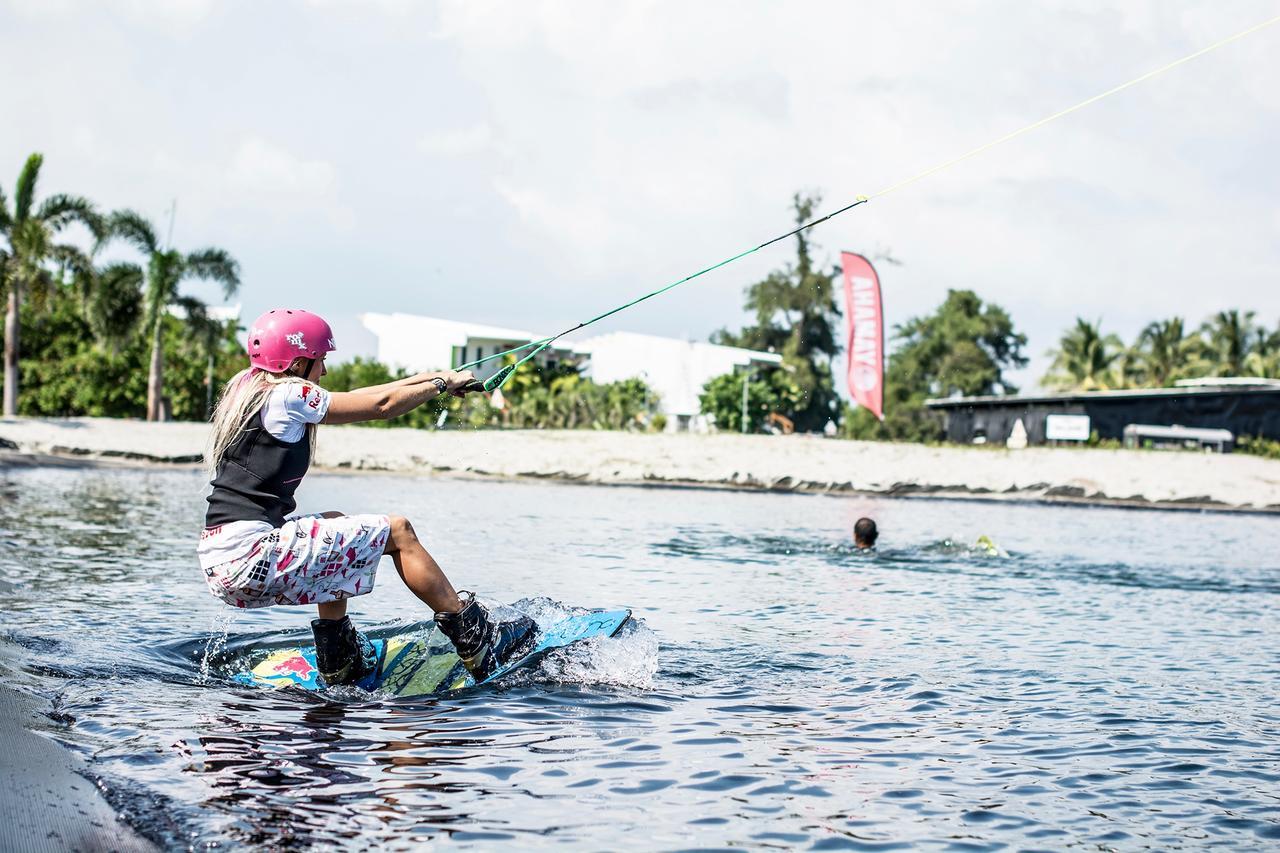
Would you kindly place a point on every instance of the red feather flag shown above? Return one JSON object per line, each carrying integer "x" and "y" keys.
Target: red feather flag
{"x": 865, "y": 322}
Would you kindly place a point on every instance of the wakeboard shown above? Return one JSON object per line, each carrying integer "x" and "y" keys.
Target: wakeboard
{"x": 417, "y": 660}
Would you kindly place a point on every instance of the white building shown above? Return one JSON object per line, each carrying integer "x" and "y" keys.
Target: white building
{"x": 419, "y": 343}
{"x": 675, "y": 369}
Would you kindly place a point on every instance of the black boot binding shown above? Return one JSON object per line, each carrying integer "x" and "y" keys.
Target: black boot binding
{"x": 485, "y": 645}
{"x": 343, "y": 654}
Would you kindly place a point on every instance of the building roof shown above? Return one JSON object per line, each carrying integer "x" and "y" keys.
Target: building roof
{"x": 736, "y": 355}
{"x": 1177, "y": 432}
{"x": 453, "y": 332}
{"x": 1229, "y": 382}
{"x": 1254, "y": 386}
{"x": 676, "y": 369}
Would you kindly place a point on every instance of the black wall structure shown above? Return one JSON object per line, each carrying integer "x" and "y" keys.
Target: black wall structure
{"x": 1247, "y": 411}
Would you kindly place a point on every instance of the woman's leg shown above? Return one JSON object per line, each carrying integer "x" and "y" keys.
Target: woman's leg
{"x": 332, "y": 609}
{"x": 418, "y": 569}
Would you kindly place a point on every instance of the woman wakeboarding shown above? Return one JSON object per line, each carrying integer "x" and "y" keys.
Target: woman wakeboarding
{"x": 255, "y": 555}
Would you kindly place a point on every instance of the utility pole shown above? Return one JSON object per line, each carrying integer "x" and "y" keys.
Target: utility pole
{"x": 173, "y": 214}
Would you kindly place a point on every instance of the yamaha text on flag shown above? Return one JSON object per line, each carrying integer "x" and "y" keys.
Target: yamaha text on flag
{"x": 865, "y": 322}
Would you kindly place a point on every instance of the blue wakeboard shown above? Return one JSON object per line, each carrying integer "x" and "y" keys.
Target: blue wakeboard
{"x": 417, "y": 660}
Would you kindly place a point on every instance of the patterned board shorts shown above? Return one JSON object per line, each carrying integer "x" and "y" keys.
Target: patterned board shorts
{"x": 310, "y": 560}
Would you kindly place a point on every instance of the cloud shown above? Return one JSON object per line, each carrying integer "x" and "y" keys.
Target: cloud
{"x": 645, "y": 139}
{"x": 261, "y": 167}
{"x": 173, "y": 16}
{"x": 456, "y": 142}
{"x": 519, "y": 163}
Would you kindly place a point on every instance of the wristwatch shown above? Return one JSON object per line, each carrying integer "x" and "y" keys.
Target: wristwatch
{"x": 441, "y": 384}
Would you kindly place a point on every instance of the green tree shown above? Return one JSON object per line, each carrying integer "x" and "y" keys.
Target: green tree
{"x": 67, "y": 373}
{"x": 111, "y": 302}
{"x": 166, "y": 270}
{"x": 796, "y": 316}
{"x": 1228, "y": 340}
{"x": 768, "y": 391}
{"x": 536, "y": 398}
{"x": 1164, "y": 353}
{"x": 30, "y": 232}
{"x": 1264, "y": 355}
{"x": 1085, "y": 359}
{"x": 561, "y": 398}
{"x": 964, "y": 348}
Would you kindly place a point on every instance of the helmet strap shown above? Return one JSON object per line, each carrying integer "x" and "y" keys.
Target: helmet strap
{"x": 306, "y": 370}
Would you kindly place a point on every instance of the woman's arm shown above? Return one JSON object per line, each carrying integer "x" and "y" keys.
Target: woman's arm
{"x": 349, "y": 407}
{"x": 416, "y": 379}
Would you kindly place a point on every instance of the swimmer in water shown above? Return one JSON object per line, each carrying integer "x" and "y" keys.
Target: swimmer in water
{"x": 986, "y": 546}
{"x": 254, "y": 554}
{"x": 864, "y": 534}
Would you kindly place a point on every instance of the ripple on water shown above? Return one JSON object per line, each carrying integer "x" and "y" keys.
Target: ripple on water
{"x": 1105, "y": 684}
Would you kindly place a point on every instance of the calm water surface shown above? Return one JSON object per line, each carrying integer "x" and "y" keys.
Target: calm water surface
{"x": 1112, "y": 684}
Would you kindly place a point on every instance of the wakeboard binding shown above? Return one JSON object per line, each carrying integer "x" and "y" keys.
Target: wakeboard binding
{"x": 343, "y": 654}
{"x": 483, "y": 644}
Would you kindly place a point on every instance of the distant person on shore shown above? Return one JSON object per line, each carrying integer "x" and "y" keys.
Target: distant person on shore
{"x": 254, "y": 555}
{"x": 864, "y": 534}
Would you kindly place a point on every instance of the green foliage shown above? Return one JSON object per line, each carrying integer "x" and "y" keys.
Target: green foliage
{"x": 962, "y": 348}
{"x": 1256, "y": 446}
{"x": 1228, "y": 344}
{"x": 563, "y": 399}
{"x": 1163, "y": 354}
{"x": 166, "y": 269}
{"x": 1228, "y": 340}
{"x": 66, "y": 373}
{"x": 360, "y": 372}
{"x": 796, "y": 316}
{"x": 534, "y": 399}
{"x": 32, "y": 264}
{"x": 1086, "y": 359}
{"x": 768, "y": 391}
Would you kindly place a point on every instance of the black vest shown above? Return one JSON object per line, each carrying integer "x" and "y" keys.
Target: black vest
{"x": 257, "y": 478}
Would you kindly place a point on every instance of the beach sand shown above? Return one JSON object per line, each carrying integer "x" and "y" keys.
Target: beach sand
{"x": 46, "y": 803}
{"x": 780, "y": 463}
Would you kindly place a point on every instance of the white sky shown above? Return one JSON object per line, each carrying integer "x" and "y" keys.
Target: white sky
{"x": 531, "y": 164}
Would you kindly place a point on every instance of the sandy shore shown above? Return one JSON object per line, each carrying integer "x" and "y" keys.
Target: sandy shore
{"x": 45, "y": 802}
{"x": 791, "y": 463}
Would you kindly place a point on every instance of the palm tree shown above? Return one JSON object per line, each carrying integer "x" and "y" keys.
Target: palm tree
{"x": 1164, "y": 352}
{"x": 166, "y": 269}
{"x": 29, "y": 231}
{"x": 111, "y": 302}
{"x": 207, "y": 333}
{"x": 1228, "y": 336}
{"x": 1085, "y": 358}
{"x": 1264, "y": 354}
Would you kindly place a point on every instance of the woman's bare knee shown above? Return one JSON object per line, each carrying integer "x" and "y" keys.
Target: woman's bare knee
{"x": 333, "y": 513}
{"x": 402, "y": 533}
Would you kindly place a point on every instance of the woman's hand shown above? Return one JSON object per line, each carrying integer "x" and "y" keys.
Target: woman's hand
{"x": 458, "y": 380}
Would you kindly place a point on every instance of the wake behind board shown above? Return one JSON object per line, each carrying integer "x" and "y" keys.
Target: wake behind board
{"x": 416, "y": 660}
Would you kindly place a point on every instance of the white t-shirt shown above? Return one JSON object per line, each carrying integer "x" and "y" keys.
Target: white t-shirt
{"x": 285, "y": 415}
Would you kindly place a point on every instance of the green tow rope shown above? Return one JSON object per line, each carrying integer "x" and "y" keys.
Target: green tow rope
{"x": 500, "y": 378}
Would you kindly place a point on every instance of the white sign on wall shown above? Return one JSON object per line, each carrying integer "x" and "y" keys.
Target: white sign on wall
{"x": 1066, "y": 427}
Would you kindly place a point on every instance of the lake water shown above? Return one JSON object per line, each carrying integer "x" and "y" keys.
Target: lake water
{"x": 1112, "y": 684}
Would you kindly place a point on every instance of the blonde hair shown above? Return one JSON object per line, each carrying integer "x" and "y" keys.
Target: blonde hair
{"x": 242, "y": 397}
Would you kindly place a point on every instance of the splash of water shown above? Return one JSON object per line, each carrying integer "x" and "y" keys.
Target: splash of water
{"x": 628, "y": 659}
{"x": 219, "y": 630}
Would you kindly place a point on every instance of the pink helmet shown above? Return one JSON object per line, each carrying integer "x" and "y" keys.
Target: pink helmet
{"x": 283, "y": 334}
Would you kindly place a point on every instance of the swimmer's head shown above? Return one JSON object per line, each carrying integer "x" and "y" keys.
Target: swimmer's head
{"x": 865, "y": 533}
